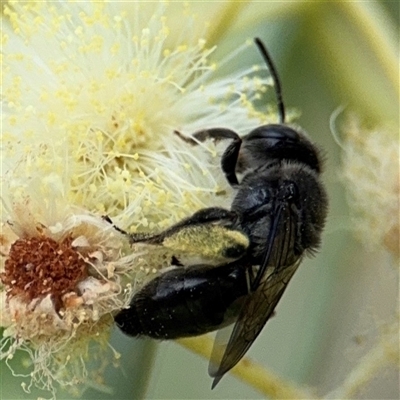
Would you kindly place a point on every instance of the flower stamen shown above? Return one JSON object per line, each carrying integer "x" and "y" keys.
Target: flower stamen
{"x": 39, "y": 266}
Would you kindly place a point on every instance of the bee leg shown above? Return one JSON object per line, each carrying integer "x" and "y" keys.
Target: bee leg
{"x": 201, "y": 217}
{"x": 175, "y": 262}
{"x": 231, "y": 154}
{"x": 118, "y": 229}
{"x": 229, "y": 160}
{"x": 207, "y": 216}
{"x": 216, "y": 134}
{"x": 186, "y": 139}
{"x": 133, "y": 237}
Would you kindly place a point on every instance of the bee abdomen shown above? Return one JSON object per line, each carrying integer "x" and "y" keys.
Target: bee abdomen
{"x": 185, "y": 302}
{"x": 129, "y": 322}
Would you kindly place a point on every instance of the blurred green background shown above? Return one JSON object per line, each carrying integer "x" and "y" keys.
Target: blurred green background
{"x": 328, "y": 54}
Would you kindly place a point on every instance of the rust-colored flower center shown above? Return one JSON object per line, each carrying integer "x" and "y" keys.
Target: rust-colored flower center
{"x": 39, "y": 266}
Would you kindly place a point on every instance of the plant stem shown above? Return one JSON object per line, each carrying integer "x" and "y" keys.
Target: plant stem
{"x": 252, "y": 373}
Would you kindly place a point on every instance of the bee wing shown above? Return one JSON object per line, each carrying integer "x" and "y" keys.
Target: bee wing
{"x": 267, "y": 288}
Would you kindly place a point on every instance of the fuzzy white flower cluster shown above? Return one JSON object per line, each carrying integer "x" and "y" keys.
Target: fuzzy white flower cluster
{"x": 90, "y": 107}
{"x": 371, "y": 173}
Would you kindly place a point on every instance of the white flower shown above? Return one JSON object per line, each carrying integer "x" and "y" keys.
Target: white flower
{"x": 371, "y": 173}
{"x": 90, "y": 106}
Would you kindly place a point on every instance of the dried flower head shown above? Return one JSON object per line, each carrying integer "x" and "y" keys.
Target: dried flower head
{"x": 90, "y": 107}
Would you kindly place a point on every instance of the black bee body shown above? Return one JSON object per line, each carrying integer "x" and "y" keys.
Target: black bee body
{"x": 276, "y": 217}
{"x": 291, "y": 184}
{"x": 186, "y": 302}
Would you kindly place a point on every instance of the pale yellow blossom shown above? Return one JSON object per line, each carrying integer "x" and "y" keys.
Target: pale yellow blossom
{"x": 91, "y": 102}
{"x": 371, "y": 173}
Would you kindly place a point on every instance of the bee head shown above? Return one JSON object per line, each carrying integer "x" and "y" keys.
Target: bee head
{"x": 275, "y": 142}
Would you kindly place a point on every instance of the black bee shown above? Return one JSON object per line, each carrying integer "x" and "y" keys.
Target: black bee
{"x": 276, "y": 217}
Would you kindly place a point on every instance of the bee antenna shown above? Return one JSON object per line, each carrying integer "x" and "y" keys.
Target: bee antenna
{"x": 275, "y": 77}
